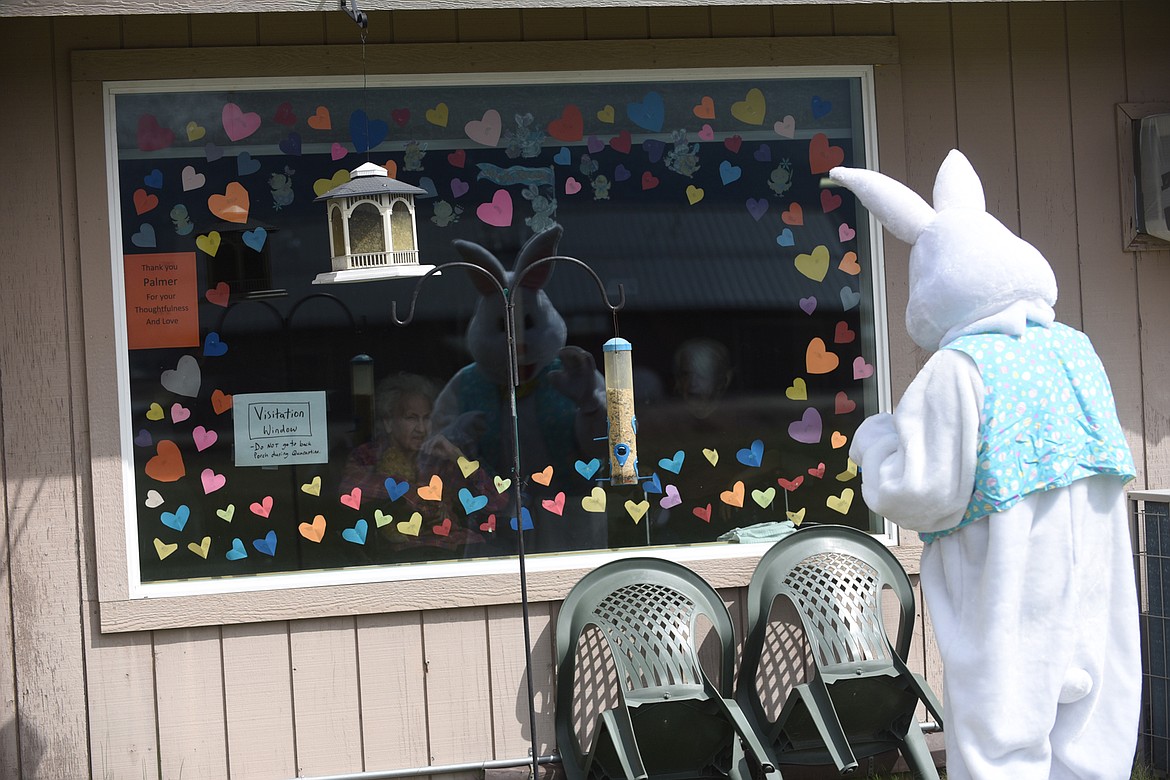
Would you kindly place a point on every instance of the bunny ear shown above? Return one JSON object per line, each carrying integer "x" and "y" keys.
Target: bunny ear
{"x": 540, "y": 246}
{"x": 899, "y": 208}
{"x": 957, "y": 185}
{"x": 477, "y": 255}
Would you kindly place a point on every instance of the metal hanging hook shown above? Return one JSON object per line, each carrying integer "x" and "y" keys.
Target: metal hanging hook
{"x": 358, "y": 15}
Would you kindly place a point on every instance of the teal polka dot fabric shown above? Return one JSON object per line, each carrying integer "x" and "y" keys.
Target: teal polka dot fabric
{"x": 1048, "y": 417}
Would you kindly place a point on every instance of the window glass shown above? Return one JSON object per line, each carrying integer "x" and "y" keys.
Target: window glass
{"x": 277, "y": 426}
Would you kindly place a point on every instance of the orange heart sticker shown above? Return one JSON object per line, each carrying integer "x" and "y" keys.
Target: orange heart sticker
{"x": 433, "y": 491}
{"x": 838, "y": 439}
{"x": 391, "y": 169}
{"x": 849, "y": 264}
{"x": 167, "y": 465}
{"x": 818, "y": 359}
{"x": 822, "y": 156}
{"x": 321, "y": 120}
{"x": 793, "y": 216}
{"x": 220, "y": 401}
{"x": 314, "y": 531}
{"x": 705, "y": 109}
{"x": 220, "y": 294}
{"x": 144, "y": 201}
{"x": 733, "y": 497}
{"x": 233, "y": 205}
{"x": 544, "y": 476}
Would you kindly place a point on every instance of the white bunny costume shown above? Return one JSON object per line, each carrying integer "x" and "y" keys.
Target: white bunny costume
{"x": 1006, "y": 455}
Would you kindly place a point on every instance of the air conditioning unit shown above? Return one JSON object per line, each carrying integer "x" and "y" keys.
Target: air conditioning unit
{"x": 1154, "y": 174}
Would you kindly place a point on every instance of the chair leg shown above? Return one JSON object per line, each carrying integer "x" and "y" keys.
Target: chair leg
{"x": 917, "y": 753}
{"x": 620, "y": 731}
{"x": 820, "y": 708}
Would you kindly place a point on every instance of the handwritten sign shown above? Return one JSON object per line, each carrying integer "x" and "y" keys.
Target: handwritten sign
{"x": 275, "y": 429}
{"x": 162, "y": 300}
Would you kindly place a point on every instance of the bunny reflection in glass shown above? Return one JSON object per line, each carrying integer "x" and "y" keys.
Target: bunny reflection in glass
{"x": 1005, "y": 453}
{"x": 560, "y": 402}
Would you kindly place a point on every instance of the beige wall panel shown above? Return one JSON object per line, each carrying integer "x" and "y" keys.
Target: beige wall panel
{"x": 1108, "y": 274}
{"x": 225, "y": 29}
{"x": 802, "y": 20}
{"x": 481, "y": 25}
{"x": 426, "y": 27}
{"x": 509, "y": 684}
{"x": 393, "y": 690}
{"x": 617, "y": 23}
{"x": 459, "y": 726}
{"x": 155, "y": 32}
{"x": 741, "y": 21}
{"x": 1048, "y": 207}
{"x": 188, "y": 671}
{"x": 42, "y": 522}
{"x": 1147, "y": 57}
{"x": 553, "y": 24}
{"x": 983, "y": 104}
{"x": 874, "y": 19}
{"x": 257, "y": 691}
{"x": 680, "y": 22}
{"x": 9, "y": 738}
{"x": 123, "y": 725}
{"x": 291, "y": 29}
{"x": 326, "y": 700}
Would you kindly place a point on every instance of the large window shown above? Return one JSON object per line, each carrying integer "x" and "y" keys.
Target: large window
{"x": 275, "y": 427}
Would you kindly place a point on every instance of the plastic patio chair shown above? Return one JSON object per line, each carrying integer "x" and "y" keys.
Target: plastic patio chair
{"x": 861, "y": 698}
{"x": 671, "y": 721}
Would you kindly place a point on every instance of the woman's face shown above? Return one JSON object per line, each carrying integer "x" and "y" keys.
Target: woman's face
{"x": 410, "y": 424}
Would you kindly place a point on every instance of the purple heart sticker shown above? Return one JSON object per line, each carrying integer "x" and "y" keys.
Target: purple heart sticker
{"x": 291, "y": 145}
{"x": 621, "y": 173}
{"x": 807, "y": 430}
{"x": 654, "y": 149}
{"x": 212, "y": 152}
{"x": 143, "y": 439}
{"x": 757, "y": 207}
{"x": 594, "y": 144}
{"x": 808, "y": 305}
{"x": 671, "y": 499}
{"x": 763, "y": 153}
{"x": 459, "y": 187}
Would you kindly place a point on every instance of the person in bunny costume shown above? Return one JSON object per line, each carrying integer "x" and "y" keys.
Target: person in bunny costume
{"x": 1006, "y": 455}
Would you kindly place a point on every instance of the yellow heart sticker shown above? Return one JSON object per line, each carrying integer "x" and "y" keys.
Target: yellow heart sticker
{"x": 751, "y": 109}
{"x": 163, "y": 549}
{"x": 764, "y": 497}
{"x": 694, "y": 194}
{"x": 155, "y": 412}
{"x": 467, "y": 467}
{"x": 712, "y": 456}
{"x": 227, "y": 514}
{"x": 595, "y": 501}
{"x": 606, "y": 115}
{"x": 796, "y": 517}
{"x": 321, "y": 186}
{"x": 411, "y": 526}
{"x": 637, "y": 510}
{"x": 438, "y": 115}
{"x": 733, "y": 497}
{"x": 850, "y": 471}
{"x": 195, "y": 131}
{"x": 840, "y": 503}
{"x": 798, "y": 391}
{"x": 209, "y": 243}
{"x": 202, "y": 548}
{"x": 816, "y": 265}
{"x": 501, "y": 484}
{"x": 381, "y": 518}
{"x": 313, "y": 488}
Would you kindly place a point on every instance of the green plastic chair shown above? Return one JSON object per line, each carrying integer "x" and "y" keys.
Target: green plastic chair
{"x": 861, "y": 698}
{"x": 671, "y": 721}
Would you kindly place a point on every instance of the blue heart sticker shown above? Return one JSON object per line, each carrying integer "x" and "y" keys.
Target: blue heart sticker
{"x": 178, "y": 518}
{"x": 849, "y": 298}
{"x": 752, "y": 456}
{"x": 428, "y": 184}
{"x": 654, "y": 149}
{"x": 673, "y": 465}
{"x": 213, "y": 347}
{"x": 526, "y": 516}
{"x": 653, "y": 485}
{"x": 267, "y": 545}
{"x": 245, "y": 164}
{"x": 786, "y": 238}
{"x": 145, "y": 237}
{"x": 820, "y": 107}
{"x": 291, "y": 145}
{"x": 729, "y": 173}
{"x": 396, "y": 490}
{"x": 563, "y": 157}
{"x": 154, "y": 179}
{"x": 238, "y": 551}
{"x": 254, "y": 239}
{"x": 587, "y": 470}
{"x": 649, "y": 114}
{"x": 366, "y": 133}
{"x": 357, "y": 534}
{"x": 471, "y": 503}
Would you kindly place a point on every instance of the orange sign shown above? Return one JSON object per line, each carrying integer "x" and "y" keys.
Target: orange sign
{"x": 162, "y": 300}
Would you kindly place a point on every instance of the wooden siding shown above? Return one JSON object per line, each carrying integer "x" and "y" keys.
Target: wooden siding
{"x": 1027, "y": 89}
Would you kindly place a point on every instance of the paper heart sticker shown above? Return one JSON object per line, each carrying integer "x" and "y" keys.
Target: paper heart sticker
{"x": 501, "y": 483}
{"x": 410, "y": 527}
{"x": 791, "y": 484}
{"x": 237, "y": 123}
{"x": 209, "y": 244}
{"x": 152, "y": 136}
{"x": 849, "y": 298}
{"x": 806, "y": 430}
{"x": 263, "y": 508}
{"x": 621, "y": 142}
{"x": 606, "y": 115}
{"x": 861, "y": 369}
{"x": 587, "y": 470}
{"x": 751, "y": 109}
{"x": 842, "y": 334}
{"x": 786, "y": 237}
{"x": 705, "y": 109}
{"x": 838, "y": 440}
{"x": 203, "y": 438}
{"x": 649, "y": 180}
{"x": 438, "y": 115}
{"x": 366, "y": 133}
{"x": 213, "y": 347}
{"x": 525, "y": 520}
{"x": 144, "y": 202}
{"x": 176, "y": 520}
{"x": 797, "y": 391}
{"x": 572, "y": 186}
{"x": 211, "y": 152}
{"x": 752, "y": 455}
{"x": 652, "y": 485}
{"x": 392, "y": 168}
{"x": 649, "y": 114}
{"x": 808, "y": 305}
{"x": 821, "y": 156}
{"x": 637, "y": 510}
{"x": 733, "y": 497}
{"x": 312, "y": 487}
{"x": 401, "y": 116}
{"x": 245, "y": 165}
{"x": 694, "y": 194}
{"x": 489, "y": 527}
{"x": 255, "y": 239}
{"x": 842, "y": 502}
{"x": 284, "y": 115}
{"x": 842, "y": 404}
{"x": 145, "y": 237}
{"x": 154, "y": 499}
{"x": 238, "y": 551}
{"x": 321, "y": 120}
{"x": 814, "y": 265}
{"x": 227, "y": 513}
{"x": 849, "y": 264}
{"x": 381, "y": 518}
{"x": 195, "y": 131}
{"x": 555, "y": 505}
{"x": 167, "y": 464}
{"x": 155, "y": 412}
{"x": 850, "y": 471}
{"x": 220, "y": 401}
{"x": 202, "y": 548}
{"x": 267, "y": 544}
{"x": 817, "y": 471}
{"x": 595, "y": 501}
{"x": 143, "y": 438}
{"x": 466, "y": 467}
{"x": 192, "y": 180}
{"x": 733, "y": 143}
{"x": 357, "y": 534}
{"x": 219, "y": 295}
{"x": 459, "y": 188}
{"x": 786, "y": 127}
{"x": 497, "y": 213}
{"x": 321, "y": 186}
{"x": 443, "y": 528}
{"x": 163, "y": 549}
{"x": 818, "y": 359}
{"x": 471, "y": 503}
{"x": 544, "y": 476}
{"x": 352, "y": 499}
{"x": 671, "y": 498}
{"x": 712, "y": 456}
{"x": 757, "y": 207}
{"x": 396, "y": 490}
{"x": 673, "y": 464}
{"x": 845, "y": 233}
{"x": 764, "y": 497}
{"x": 233, "y": 205}
{"x": 793, "y": 215}
{"x": 154, "y": 179}
{"x": 485, "y": 131}
{"x": 729, "y": 173}
{"x": 706, "y": 133}
{"x": 211, "y": 481}
{"x": 292, "y": 145}
{"x": 796, "y": 517}
{"x": 703, "y": 513}
{"x": 432, "y": 491}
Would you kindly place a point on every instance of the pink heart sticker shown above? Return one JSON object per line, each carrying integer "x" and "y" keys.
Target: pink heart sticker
{"x": 706, "y": 133}
{"x": 572, "y": 186}
{"x": 262, "y": 508}
{"x": 237, "y": 124}
{"x": 211, "y": 481}
{"x": 845, "y": 233}
{"x": 485, "y": 131}
{"x": 192, "y": 180}
{"x": 353, "y": 499}
{"x": 555, "y": 505}
{"x": 671, "y": 499}
{"x": 179, "y": 412}
{"x": 861, "y": 369}
{"x": 786, "y": 127}
{"x": 337, "y": 151}
{"x": 204, "y": 438}
{"x": 498, "y": 213}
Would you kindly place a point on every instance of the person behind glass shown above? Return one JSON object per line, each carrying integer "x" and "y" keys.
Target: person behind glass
{"x": 402, "y": 406}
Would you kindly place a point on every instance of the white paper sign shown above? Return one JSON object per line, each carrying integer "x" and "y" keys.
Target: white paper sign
{"x": 276, "y": 429}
